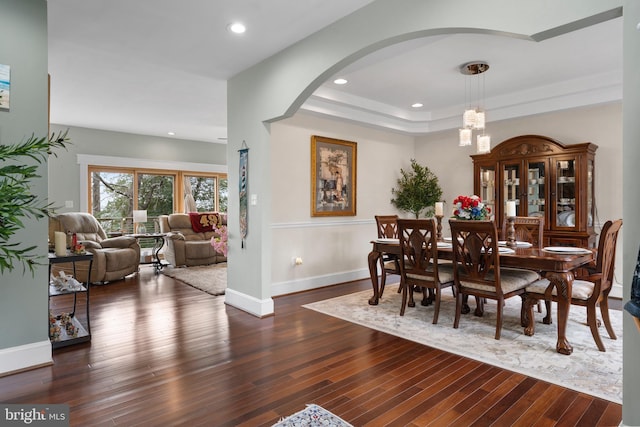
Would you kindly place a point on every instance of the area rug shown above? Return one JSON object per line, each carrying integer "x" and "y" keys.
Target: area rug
{"x": 312, "y": 416}
{"x": 586, "y": 370}
{"x": 211, "y": 279}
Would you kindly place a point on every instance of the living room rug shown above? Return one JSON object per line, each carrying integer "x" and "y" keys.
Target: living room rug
{"x": 585, "y": 370}
{"x": 312, "y": 416}
{"x": 211, "y": 279}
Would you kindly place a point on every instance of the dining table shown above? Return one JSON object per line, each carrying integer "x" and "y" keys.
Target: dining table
{"x": 556, "y": 266}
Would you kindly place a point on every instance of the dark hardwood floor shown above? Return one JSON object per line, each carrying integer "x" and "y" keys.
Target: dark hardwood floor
{"x": 163, "y": 353}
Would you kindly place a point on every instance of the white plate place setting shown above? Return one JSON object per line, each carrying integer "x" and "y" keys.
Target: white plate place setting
{"x": 387, "y": 240}
{"x": 519, "y": 244}
{"x": 566, "y": 250}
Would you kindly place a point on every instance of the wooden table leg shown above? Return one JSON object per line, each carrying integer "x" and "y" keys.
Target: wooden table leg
{"x": 373, "y": 258}
{"x": 563, "y": 283}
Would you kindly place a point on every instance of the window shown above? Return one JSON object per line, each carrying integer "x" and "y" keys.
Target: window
{"x": 116, "y": 192}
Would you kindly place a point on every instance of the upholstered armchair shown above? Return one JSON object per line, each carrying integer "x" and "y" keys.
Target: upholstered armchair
{"x": 185, "y": 246}
{"x": 113, "y": 258}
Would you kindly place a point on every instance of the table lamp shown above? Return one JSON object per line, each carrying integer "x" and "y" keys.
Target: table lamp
{"x": 139, "y": 218}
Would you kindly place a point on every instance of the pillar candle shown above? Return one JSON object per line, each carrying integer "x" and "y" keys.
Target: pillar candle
{"x": 511, "y": 208}
{"x": 439, "y": 208}
{"x": 61, "y": 243}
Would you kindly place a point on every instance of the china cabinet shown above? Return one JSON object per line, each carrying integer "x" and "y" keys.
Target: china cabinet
{"x": 544, "y": 178}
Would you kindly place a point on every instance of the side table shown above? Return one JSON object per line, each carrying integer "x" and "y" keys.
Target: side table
{"x": 67, "y": 329}
{"x": 158, "y": 243}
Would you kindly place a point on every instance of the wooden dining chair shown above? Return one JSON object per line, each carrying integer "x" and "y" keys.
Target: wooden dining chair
{"x": 477, "y": 272}
{"x": 589, "y": 290}
{"x": 527, "y": 229}
{"x": 420, "y": 267}
{"x": 387, "y": 229}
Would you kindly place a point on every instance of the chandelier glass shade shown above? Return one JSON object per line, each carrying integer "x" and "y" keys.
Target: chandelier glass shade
{"x": 465, "y": 137}
{"x": 474, "y": 118}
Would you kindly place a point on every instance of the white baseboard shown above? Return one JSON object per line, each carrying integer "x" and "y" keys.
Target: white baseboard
{"x": 307, "y": 283}
{"x": 26, "y": 356}
{"x": 251, "y": 305}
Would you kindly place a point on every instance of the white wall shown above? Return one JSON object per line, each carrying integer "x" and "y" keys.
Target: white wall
{"x": 333, "y": 249}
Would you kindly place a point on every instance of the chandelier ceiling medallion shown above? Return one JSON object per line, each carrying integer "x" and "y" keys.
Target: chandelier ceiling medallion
{"x": 474, "y": 116}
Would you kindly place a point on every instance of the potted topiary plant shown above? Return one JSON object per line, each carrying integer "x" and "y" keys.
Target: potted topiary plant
{"x": 16, "y": 200}
{"x": 418, "y": 190}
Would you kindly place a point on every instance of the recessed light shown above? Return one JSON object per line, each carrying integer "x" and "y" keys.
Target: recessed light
{"x": 417, "y": 105}
{"x": 237, "y": 28}
{"x": 340, "y": 81}
{"x": 171, "y": 133}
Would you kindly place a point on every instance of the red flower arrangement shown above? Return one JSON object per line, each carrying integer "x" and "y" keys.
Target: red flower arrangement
{"x": 470, "y": 208}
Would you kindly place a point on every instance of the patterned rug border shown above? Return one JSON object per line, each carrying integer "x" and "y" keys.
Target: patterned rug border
{"x": 313, "y": 415}
{"x": 355, "y": 309}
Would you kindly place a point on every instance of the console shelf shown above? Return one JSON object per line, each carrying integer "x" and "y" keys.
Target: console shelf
{"x": 83, "y": 327}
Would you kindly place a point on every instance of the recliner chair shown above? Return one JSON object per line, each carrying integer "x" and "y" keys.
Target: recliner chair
{"x": 113, "y": 257}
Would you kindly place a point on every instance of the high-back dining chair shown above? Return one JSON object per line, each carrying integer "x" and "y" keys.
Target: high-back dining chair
{"x": 527, "y": 229}
{"x": 419, "y": 266}
{"x": 588, "y": 290}
{"x": 387, "y": 226}
{"x": 476, "y": 268}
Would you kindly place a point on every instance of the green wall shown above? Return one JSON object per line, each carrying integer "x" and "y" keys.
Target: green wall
{"x": 23, "y": 46}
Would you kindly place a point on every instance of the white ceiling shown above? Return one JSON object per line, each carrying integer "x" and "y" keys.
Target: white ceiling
{"x": 154, "y": 66}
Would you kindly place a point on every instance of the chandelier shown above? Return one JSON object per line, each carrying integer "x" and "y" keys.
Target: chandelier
{"x": 474, "y": 116}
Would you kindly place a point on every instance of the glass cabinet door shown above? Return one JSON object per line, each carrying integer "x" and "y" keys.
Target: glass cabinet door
{"x": 488, "y": 187}
{"x": 536, "y": 199}
{"x": 565, "y": 199}
{"x": 511, "y": 186}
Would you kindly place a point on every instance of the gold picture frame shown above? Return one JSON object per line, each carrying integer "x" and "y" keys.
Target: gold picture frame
{"x": 333, "y": 177}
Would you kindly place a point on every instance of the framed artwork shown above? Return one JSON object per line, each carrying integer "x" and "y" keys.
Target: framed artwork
{"x": 5, "y": 86}
{"x": 333, "y": 177}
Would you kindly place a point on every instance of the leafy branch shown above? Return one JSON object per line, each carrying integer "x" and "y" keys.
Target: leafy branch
{"x": 418, "y": 189}
{"x": 16, "y": 200}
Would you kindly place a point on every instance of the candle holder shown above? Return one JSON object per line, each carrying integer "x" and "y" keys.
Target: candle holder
{"x": 439, "y": 227}
{"x": 511, "y": 232}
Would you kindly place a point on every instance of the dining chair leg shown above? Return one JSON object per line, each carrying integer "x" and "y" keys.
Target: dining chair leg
{"x": 499, "y": 310}
{"x": 456, "y": 320}
{"x": 592, "y": 321}
{"x": 479, "y": 307}
{"x": 547, "y": 320}
{"x": 436, "y": 305}
{"x": 523, "y": 310}
{"x": 409, "y": 290}
{"x": 404, "y": 297}
{"x": 604, "y": 311}
{"x": 383, "y": 278}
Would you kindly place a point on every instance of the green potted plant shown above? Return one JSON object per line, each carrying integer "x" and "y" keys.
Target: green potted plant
{"x": 16, "y": 200}
{"x": 417, "y": 190}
